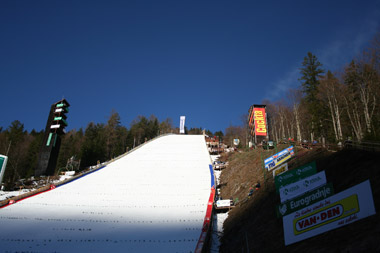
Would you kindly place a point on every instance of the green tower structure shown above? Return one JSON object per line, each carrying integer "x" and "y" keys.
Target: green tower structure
{"x": 55, "y": 128}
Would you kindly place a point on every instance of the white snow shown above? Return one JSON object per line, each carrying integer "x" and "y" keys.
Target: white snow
{"x": 152, "y": 200}
{"x": 214, "y": 157}
{"x": 8, "y": 194}
{"x": 217, "y": 230}
{"x": 218, "y": 218}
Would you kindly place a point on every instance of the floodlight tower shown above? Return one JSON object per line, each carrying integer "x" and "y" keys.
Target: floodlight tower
{"x": 55, "y": 128}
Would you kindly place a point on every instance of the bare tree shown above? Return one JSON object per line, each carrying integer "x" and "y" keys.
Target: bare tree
{"x": 329, "y": 92}
{"x": 295, "y": 99}
{"x": 361, "y": 80}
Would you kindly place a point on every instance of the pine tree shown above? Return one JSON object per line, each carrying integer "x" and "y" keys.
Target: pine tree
{"x": 17, "y": 148}
{"x": 311, "y": 71}
{"x": 94, "y": 145}
{"x": 30, "y": 162}
{"x": 111, "y": 128}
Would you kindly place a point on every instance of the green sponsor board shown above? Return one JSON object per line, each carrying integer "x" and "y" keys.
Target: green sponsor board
{"x": 305, "y": 200}
{"x": 1, "y": 163}
{"x": 295, "y": 175}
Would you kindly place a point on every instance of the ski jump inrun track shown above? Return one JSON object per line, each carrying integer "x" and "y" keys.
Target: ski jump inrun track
{"x": 157, "y": 198}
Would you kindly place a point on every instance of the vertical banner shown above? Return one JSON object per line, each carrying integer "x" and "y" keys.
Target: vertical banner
{"x": 260, "y": 121}
{"x": 3, "y": 164}
{"x": 182, "y": 125}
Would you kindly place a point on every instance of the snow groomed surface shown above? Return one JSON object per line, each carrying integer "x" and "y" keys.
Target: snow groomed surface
{"x": 152, "y": 200}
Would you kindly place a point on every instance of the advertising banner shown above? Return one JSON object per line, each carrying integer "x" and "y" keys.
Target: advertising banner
{"x": 260, "y": 121}
{"x": 283, "y": 168}
{"x": 295, "y": 175}
{"x": 223, "y": 203}
{"x": 304, "y": 200}
{"x": 295, "y": 189}
{"x": 333, "y": 212}
{"x": 182, "y": 125}
{"x": 279, "y": 158}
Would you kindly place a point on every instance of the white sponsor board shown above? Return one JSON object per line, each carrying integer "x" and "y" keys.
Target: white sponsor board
{"x": 333, "y": 212}
{"x": 279, "y": 158}
{"x": 283, "y": 168}
{"x": 223, "y": 203}
{"x": 295, "y": 189}
{"x": 182, "y": 124}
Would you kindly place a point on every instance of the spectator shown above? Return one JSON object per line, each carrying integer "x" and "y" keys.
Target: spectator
{"x": 250, "y": 192}
{"x": 258, "y": 185}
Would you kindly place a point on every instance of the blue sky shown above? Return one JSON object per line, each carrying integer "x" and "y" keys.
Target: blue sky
{"x": 207, "y": 60}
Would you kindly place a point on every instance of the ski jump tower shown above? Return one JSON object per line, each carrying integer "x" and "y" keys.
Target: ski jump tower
{"x": 55, "y": 128}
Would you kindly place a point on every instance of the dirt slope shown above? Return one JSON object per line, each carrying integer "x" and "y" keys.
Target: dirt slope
{"x": 253, "y": 226}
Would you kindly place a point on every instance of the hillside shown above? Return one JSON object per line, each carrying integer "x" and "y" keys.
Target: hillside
{"x": 252, "y": 226}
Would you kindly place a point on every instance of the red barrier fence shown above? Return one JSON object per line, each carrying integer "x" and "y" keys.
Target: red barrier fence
{"x": 206, "y": 223}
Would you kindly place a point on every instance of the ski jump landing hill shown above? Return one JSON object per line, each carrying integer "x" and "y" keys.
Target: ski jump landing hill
{"x": 155, "y": 199}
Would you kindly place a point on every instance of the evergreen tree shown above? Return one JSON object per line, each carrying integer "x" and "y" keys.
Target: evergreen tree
{"x": 219, "y": 134}
{"x": 311, "y": 71}
{"x": 30, "y": 162}
{"x": 70, "y": 147}
{"x": 94, "y": 145}
{"x": 121, "y": 144}
{"x": 16, "y": 151}
{"x": 111, "y": 128}
{"x": 195, "y": 130}
{"x": 153, "y": 127}
{"x": 142, "y": 130}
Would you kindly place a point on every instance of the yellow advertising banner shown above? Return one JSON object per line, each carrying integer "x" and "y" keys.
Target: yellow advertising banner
{"x": 283, "y": 168}
{"x": 260, "y": 121}
{"x": 330, "y": 213}
{"x": 338, "y": 210}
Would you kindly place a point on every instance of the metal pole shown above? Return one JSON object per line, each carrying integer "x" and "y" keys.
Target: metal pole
{"x": 263, "y": 165}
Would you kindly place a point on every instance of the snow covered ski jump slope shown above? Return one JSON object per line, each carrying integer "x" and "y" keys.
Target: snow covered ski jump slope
{"x": 151, "y": 200}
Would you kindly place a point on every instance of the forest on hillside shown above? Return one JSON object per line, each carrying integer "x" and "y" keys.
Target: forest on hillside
{"x": 328, "y": 106}
{"x": 98, "y": 142}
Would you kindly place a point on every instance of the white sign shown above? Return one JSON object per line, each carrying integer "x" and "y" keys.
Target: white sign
{"x": 295, "y": 189}
{"x": 236, "y": 142}
{"x": 333, "y": 212}
{"x": 182, "y": 125}
{"x": 223, "y": 203}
